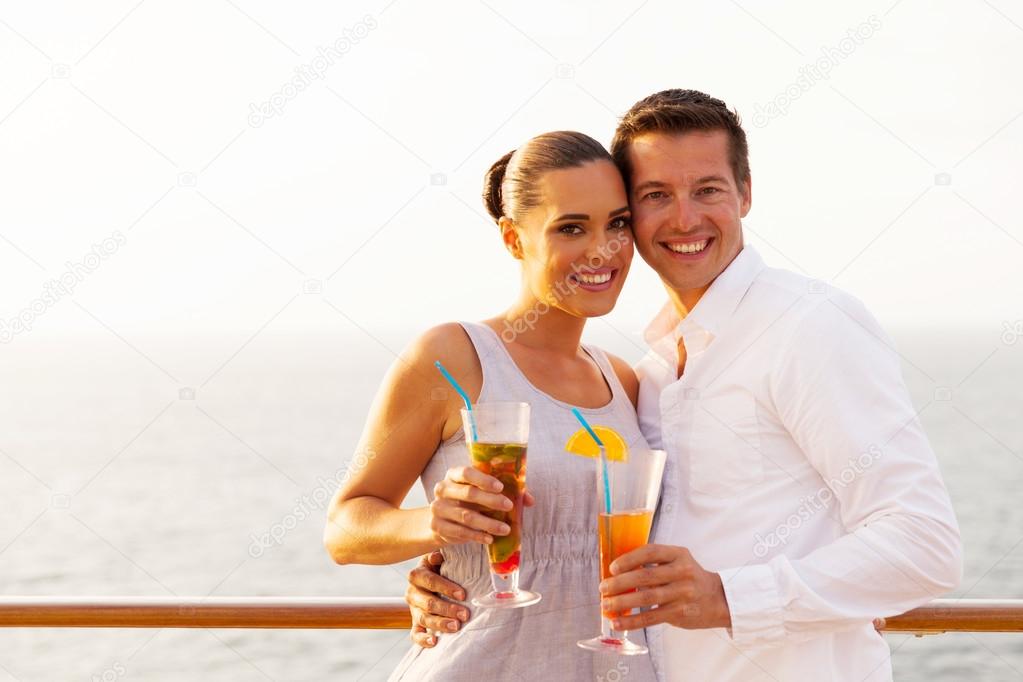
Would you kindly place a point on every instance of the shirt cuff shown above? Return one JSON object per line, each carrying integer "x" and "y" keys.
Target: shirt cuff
{"x": 755, "y": 605}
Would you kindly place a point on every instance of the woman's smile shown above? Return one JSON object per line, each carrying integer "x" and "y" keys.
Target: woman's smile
{"x": 594, "y": 280}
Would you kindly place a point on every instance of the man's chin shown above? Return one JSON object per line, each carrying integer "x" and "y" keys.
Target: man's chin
{"x": 686, "y": 282}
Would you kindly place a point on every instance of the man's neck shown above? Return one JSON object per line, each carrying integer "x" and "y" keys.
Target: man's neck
{"x": 684, "y": 301}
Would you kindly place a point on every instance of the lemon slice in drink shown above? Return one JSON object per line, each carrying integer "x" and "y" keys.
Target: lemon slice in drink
{"x": 581, "y": 443}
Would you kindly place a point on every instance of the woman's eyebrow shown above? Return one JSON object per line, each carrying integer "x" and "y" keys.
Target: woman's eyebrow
{"x": 585, "y": 216}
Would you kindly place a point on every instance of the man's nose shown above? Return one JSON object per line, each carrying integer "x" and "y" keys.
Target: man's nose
{"x": 686, "y": 213}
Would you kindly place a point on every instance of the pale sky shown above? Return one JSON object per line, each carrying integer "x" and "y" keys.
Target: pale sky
{"x": 137, "y": 118}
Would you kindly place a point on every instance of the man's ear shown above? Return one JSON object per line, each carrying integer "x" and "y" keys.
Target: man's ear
{"x": 510, "y": 236}
{"x": 747, "y": 197}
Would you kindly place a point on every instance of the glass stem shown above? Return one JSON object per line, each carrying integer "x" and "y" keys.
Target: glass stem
{"x": 609, "y": 633}
{"x": 506, "y": 585}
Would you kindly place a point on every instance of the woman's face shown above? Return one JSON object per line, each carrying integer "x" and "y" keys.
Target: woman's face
{"x": 576, "y": 246}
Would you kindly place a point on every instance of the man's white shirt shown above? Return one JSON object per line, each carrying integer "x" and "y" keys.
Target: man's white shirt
{"x": 798, "y": 470}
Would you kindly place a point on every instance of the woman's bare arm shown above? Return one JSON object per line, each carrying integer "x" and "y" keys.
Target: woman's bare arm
{"x": 413, "y": 412}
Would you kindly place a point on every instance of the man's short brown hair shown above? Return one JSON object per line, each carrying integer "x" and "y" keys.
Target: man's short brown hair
{"x": 679, "y": 111}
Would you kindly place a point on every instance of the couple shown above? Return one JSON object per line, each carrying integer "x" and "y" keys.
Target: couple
{"x": 800, "y": 498}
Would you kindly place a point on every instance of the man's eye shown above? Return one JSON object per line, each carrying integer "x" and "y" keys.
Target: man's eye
{"x": 654, "y": 195}
{"x": 709, "y": 190}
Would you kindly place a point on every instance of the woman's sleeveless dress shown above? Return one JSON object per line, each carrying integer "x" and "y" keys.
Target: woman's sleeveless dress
{"x": 560, "y": 557}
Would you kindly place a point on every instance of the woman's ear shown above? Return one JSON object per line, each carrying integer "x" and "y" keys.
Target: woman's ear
{"x": 510, "y": 236}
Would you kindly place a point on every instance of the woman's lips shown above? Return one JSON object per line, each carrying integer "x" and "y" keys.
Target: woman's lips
{"x": 595, "y": 280}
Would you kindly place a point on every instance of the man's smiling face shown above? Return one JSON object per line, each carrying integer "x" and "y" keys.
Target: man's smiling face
{"x": 686, "y": 207}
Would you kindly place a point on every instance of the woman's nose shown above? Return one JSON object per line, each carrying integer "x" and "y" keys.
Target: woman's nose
{"x": 598, "y": 248}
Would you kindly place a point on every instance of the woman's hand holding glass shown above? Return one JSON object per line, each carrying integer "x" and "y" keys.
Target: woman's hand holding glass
{"x": 461, "y": 500}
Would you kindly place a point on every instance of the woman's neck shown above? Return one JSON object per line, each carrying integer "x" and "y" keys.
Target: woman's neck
{"x": 534, "y": 323}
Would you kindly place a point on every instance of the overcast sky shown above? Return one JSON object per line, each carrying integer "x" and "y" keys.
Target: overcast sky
{"x": 894, "y": 174}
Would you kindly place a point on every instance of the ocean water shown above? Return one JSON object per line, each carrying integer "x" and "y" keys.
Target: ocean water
{"x": 149, "y": 469}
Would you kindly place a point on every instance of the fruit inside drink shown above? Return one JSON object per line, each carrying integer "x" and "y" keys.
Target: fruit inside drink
{"x": 620, "y": 533}
{"x": 507, "y": 463}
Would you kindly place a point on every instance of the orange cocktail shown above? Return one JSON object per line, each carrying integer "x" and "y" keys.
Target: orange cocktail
{"x": 620, "y": 533}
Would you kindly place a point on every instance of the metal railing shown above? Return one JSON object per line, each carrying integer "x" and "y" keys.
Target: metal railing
{"x": 941, "y": 615}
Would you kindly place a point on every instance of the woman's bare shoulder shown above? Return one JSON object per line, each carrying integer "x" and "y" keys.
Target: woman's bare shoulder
{"x": 627, "y": 376}
{"x": 449, "y": 344}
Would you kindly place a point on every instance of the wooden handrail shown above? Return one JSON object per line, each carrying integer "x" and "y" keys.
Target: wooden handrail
{"x": 960, "y": 615}
{"x": 942, "y": 615}
{"x": 204, "y": 612}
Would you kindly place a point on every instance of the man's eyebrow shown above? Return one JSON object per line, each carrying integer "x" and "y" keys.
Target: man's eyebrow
{"x": 699, "y": 181}
{"x": 648, "y": 184}
{"x": 711, "y": 178}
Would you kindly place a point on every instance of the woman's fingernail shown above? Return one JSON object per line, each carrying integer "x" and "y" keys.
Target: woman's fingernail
{"x": 431, "y": 641}
{"x": 497, "y": 486}
{"x": 606, "y": 605}
{"x": 505, "y": 529}
{"x": 460, "y": 595}
{"x": 452, "y": 625}
{"x": 507, "y": 504}
{"x": 463, "y": 616}
{"x": 488, "y": 540}
{"x": 616, "y": 624}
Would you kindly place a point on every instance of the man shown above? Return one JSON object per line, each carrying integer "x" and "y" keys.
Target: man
{"x": 802, "y": 498}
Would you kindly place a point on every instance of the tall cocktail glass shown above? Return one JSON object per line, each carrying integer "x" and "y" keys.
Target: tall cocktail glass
{"x": 499, "y": 450}
{"x": 633, "y": 485}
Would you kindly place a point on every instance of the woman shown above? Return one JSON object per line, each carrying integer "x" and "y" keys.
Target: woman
{"x": 562, "y": 210}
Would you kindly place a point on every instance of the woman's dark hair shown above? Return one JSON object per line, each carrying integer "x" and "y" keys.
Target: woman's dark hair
{"x": 510, "y": 186}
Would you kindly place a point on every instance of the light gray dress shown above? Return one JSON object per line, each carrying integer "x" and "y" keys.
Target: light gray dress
{"x": 560, "y": 557}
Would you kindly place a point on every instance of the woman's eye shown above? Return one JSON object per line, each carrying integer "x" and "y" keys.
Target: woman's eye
{"x": 621, "y": 223}
{"x": 570, "y": 229}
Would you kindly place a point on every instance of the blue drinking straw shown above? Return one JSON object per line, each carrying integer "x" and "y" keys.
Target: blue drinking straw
{"x": 465, "y": 397}
{"x": 603, "y": 458}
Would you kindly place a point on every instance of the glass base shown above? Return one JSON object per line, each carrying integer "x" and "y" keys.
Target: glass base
{"x": 622, "y": 646}
{"x": 507, "y": 600}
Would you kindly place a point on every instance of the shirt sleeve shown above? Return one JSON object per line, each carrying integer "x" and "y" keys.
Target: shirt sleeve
{"x": 838, "y": 390}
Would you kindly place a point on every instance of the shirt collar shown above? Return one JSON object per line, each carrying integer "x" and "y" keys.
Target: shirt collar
{"x": 716, "y": 305}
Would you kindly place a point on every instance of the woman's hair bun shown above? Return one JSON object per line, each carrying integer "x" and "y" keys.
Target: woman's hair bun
{"x": 492, "y": 182}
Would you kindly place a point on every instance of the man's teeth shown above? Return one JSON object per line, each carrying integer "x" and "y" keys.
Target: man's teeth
{"x": 691, "y": 247}
{"x": 594, "y": 279}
